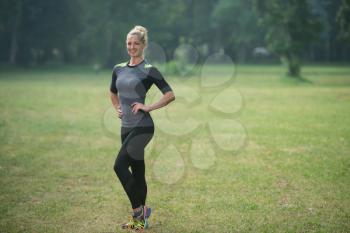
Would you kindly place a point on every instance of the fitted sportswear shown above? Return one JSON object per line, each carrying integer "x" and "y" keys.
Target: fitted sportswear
{"x": 131, "y": 154}
{"x": 131, "y": 83}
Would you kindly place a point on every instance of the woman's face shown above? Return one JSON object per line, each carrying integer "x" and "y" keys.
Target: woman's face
{"x": 134, "y": 46}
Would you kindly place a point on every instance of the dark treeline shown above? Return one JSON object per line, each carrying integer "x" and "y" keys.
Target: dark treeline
{"x": 93, "y": 32}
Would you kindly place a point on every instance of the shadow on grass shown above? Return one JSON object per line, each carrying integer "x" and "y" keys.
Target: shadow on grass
{"x": 291, "y": 80}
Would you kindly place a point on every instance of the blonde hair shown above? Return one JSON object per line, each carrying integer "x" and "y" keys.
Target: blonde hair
{"x": 141, "y": 33}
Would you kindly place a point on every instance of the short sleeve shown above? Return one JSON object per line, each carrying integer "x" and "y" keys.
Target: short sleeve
{"x": 158, "y": 79}
{"x": 113, "y": 87}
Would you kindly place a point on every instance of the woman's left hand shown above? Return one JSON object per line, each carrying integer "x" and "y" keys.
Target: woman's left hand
{"x": 138, "y": 106}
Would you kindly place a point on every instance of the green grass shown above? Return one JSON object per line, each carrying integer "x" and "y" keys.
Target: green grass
{"x": 261, "y": 154}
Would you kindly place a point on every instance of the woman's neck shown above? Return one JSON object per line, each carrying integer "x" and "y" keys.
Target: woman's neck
{"x": 136, "y": 60}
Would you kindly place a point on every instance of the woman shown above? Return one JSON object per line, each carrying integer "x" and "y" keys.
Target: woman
{"x": 130, "y": 83}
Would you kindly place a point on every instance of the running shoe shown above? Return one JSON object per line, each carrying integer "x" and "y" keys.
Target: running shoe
{"x": 133, "y": 224}
{"x": 146, "y": 214}
{"x": 128, "y": 225}
{"x": 138, "y": 222}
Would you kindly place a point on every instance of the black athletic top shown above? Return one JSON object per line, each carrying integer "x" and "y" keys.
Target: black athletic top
{"x": 131, "y": 83}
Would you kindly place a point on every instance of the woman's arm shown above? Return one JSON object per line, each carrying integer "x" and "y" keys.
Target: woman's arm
{"x": 165, "y": 100}
{"x": 116, "y": 105}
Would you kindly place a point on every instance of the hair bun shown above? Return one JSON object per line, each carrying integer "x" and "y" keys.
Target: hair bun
{"x": 141, "y": 32}
{"x": 141, "y": 29}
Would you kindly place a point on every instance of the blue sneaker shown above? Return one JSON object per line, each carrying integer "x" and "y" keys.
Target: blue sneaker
{"x": 146, "y": 214}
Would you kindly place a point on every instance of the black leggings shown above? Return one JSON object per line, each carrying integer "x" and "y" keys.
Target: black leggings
{"x": 131, "y": 154}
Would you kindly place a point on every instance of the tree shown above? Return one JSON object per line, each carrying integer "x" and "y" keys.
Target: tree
{"x": 343, "y": 19}
{"x": 105, "y": 25}
{"x": 10, "y": 19}
{"x": 237, "y": 28}
{"x": 47, "y": 29}
{"x": 37, "y": 30}
{"x": 290, "y": 27}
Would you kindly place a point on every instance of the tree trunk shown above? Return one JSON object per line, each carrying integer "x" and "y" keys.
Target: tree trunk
{"x": 14, "y": 33}
{"x": 108, "y": 54}
{"x": 293, "y": 63}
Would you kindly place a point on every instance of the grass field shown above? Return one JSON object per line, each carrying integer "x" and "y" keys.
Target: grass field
{"x": 262, "y": 153}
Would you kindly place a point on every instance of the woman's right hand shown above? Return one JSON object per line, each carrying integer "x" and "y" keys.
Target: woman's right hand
{"x": 119, "y": 112}
{"x": 116, "y": 104}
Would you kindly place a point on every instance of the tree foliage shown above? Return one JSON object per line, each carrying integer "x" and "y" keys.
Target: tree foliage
{"x": 89, "y": 31}
{"x": 343, "y": 19}
{"x": 236, "y": 28}
{"x": 290, "y": 28}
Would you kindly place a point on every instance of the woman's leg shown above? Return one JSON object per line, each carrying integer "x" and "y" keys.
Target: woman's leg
{"x": 138, "y": 172}
{"x": 132, "y": 154}
{"x": 121, "y": 168}
{"x": 137, "y": 142}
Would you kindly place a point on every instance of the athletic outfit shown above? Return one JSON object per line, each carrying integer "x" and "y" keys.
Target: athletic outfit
{"x": 131, "y": 83}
